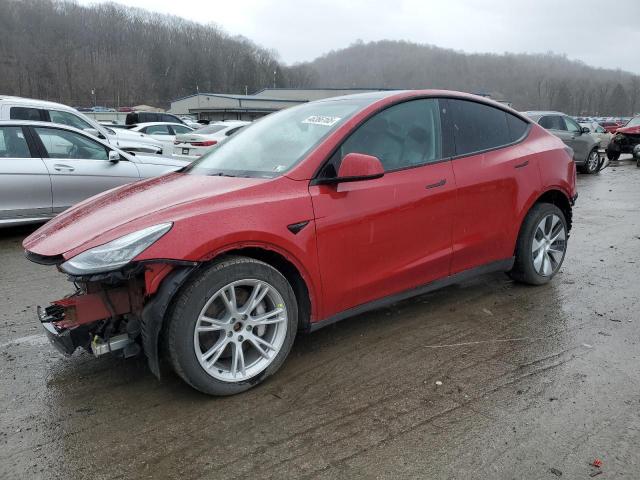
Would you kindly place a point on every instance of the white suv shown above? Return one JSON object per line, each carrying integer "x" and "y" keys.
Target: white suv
{"x": 18, "y": 108}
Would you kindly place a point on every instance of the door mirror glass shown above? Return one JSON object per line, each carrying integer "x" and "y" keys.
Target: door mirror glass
{"x": 114, "y": 156}
{"x": 358, "y": 166}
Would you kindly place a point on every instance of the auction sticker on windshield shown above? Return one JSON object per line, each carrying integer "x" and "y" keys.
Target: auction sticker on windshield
{"x": 321, "y": 120}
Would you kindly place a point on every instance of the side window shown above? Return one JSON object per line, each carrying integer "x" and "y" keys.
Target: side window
{"x": 157, "y": 130}
{"x": 70, "y": 145}
{"x": 27, "y": 113}
{"x": 179, "y": 129}
{"x": 66, "y": 118}
{"x": 13, "y": 144}
{"x": 165, "y": 117}
{"x": 477, "y": 126}
{"x": 401, "y": 136}
{"x": 571, "y": 125}
{"x": 517, "y": 127}
{"x": 552, "y": 122}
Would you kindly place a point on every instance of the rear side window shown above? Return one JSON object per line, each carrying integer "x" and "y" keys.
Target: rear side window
{"x": 12, "y": 143}
{"x": 169, "y": 118}
{"x": 66, "y": 118}
{"x": 27, "y": 113}
{"x": 517, "y": 127}
{"x": 157, "y": 130}
{"x": 477, "y": 127}
{"x": 180, "y": 129}
{"x": 552, "y": 122}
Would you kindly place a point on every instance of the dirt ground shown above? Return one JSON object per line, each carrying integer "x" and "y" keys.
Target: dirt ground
{"x": 535, "y": 381}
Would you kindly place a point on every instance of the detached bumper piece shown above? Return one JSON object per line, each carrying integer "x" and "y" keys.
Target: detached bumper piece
{"x": 63, "y": 339}
{"x": 93, "y": 320}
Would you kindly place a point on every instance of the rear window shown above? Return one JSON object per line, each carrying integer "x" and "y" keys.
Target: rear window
{"x": 27, "y": 113}
{"x": 478, "y": 127}
{"x": 212, "y": 128}
{"x": 12, "y": 143}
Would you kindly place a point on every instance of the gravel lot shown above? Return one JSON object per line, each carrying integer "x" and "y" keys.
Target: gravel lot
{"x": 533, "y": 379}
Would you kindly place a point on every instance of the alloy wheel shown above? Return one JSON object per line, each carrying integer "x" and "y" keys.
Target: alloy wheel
{"x": 240, "y": 330}
{"x": 593, "y": 160}
{"x": 549, "y": 245}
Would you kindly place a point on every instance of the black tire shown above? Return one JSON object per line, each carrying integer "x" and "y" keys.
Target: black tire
{"x": 186, "y": 309}
{"x": 591, "y": 165}
{"x": 613, "y": 156}
{"x": 523, "y": 268}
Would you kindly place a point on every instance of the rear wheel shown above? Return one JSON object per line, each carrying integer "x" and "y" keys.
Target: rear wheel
{"x": 541, "y": 245}
{"x": 232, "y": 326}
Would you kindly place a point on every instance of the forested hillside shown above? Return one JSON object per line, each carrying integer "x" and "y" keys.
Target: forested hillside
{"x": 61, "y": 51}
{"x": 542, "y": 81}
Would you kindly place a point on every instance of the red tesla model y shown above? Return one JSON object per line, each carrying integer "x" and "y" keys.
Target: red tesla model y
{"x": 306, "y": 217}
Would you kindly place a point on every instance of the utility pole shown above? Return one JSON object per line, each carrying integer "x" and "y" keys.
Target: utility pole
{"x": 275, "y": 72}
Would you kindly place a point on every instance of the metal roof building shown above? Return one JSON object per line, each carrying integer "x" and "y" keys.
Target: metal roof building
{"x": 222, "y": 106}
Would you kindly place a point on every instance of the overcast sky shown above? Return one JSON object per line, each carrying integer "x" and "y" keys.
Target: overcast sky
{"x": 600, "y": 33}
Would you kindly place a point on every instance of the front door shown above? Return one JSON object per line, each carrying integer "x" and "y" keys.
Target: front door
{"x": 79, "y": 166}
{"x": 380, "y": 237}
{"x": 25, "y": 187}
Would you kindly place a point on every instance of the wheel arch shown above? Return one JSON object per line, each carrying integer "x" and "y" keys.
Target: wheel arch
{"x": 555, "y": 196}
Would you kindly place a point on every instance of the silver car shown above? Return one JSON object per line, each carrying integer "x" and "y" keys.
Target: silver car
{"x": 585, "y": 147}
{"x": 46, "y": 168}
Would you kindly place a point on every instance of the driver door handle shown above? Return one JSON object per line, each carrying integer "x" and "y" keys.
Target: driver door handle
{"x": 60, "y": 167}
{"x": 437, "y": 184}
{"x": 522, "y": 165}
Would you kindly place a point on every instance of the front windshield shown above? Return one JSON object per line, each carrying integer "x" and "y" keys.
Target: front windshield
{"x": 634, "y": 122}
{"x": 277, "y": 142}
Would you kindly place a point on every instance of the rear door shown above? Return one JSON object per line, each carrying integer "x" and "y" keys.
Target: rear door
{"x": 380, "y": 237}
{"x": 79, "y": 166}
{"x": 25, "y": 186}
{"x": 495, "y": 174}
{"x": 558, "y": 127}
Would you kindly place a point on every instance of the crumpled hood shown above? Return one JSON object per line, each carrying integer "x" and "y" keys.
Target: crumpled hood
{"x": 128, "y": 208}
{"x": 630, "y": 130}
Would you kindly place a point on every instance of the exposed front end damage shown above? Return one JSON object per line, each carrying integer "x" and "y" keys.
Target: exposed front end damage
{"x": 622, "y": 143}
{"x": 119, "y": 312}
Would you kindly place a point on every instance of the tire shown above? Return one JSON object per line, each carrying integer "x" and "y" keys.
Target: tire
{"x": 613, "y": 156}
{"x": 592, "y": 163}
{"x": 228, "y": 354}
{"x": 526, "y": 268}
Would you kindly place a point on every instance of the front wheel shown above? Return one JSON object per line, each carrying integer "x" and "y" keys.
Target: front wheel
{"x": 232, "y": 326}
{"x": 592, "y": 164}
{"x": 541, "y": 245}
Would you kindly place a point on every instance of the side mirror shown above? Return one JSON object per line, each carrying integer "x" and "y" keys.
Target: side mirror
{"x": 584, "y": 130}
{"x": 356, "y": 167}
{"x": 114, "y": 157}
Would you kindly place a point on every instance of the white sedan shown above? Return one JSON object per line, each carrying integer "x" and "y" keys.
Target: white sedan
{"x": 162, "y": 132}
{"x": 190, "y": 146}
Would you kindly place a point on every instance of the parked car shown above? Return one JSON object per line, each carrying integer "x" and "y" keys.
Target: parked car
{"x": 193, "y": 145}
{"x": 45, "y": 168}
{"x": 625, "y": 139}
{"x": 598, "y": 132}
{"x": 611, "y": 125}
{"x": 137, "y": 117}
{"x": 311, "y": 215}
{"x": 18, "y": 108}
{"x": 163, "y": 133}
{"x": 585, "y": 147}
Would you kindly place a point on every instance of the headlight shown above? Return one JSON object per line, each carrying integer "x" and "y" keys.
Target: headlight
{"x": 116, "y": 253}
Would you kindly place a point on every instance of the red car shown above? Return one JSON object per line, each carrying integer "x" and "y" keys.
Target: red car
{"x": 611, "y": 127}
{"x": 308, "y": 216}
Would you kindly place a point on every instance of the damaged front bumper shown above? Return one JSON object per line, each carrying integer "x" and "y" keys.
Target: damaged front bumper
{"x": 119, "y": 312}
